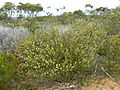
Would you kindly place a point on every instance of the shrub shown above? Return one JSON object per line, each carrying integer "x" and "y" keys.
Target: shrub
{"x": 8, "y": 70}
{"x": 113, "y": 54}
{"x": 9, "y": 36}
{"x": 62, "y": 56}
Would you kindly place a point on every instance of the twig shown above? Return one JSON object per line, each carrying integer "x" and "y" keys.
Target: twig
{"x": 109, "y": 75}
{"x": 96, "y": 66}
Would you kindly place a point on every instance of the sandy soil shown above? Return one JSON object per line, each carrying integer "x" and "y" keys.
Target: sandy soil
{"x": 103, "y": 84}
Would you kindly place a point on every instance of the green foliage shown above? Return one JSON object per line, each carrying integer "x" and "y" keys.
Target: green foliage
{"x": 62, "y": 56}
{"x": 3, "y": 16}
{"x": 66, "y": 18}
{"x": 32, "y": 25}
{"x": 30, "y": 9}
{"x": 62, "y": 48}
{"x": 8, "y": 70}
{"x": 78, "y": 13}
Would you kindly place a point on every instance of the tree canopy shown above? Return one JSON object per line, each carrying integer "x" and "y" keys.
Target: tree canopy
{"x": 24, "y": 9}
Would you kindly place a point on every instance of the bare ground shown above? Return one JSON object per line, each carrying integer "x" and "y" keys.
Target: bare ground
{"x": 103, "y": 84}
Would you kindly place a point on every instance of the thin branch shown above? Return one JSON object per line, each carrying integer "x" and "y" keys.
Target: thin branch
{"x": 109, "y": 75}
{"x": 96, "y": 66}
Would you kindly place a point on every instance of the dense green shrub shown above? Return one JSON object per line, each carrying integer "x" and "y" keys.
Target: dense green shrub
{"x": 113, "y": 54}
{"x": 62, "y": 56}
{"x": 53, "y": 53}
{"x": 61, "y": 48}
{"x": 8, "y": 70}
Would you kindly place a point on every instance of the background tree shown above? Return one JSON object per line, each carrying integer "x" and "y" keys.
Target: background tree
{"x": 38, "y": 8}
{"x": 89, "y": 8}
{"x": 9, "y": 8}
{"x": 19, "y": 9}
{"x": 102, "y": 10}
{"x": 30, "y": 9}
{"x": 78, "y": 13}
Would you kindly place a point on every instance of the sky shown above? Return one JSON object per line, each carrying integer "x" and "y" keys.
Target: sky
{"x": 71, "y": 5}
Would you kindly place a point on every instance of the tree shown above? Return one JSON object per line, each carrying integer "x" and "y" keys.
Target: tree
{"x": 89, "y": 8}
{"x": 102, "y": 10}
{"x": 19, "y": 9}
{"x": 88, "y": 5}
{"x": 3, "y": 14}
{"x": 38, "y": 8}
{"x": 30, "y": 9}
{"x": 9, "y": 8}
{"x": 78, "y": 13}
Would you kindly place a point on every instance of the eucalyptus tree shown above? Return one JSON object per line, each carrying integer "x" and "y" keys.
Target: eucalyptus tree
{"x": 30, "y": 9}
{"x": 89, "y": 8}
{"x": 9, "y": 8}
{"x": 19, "y": 9}
{"x": 38, "y": 8}
{"x": 88, "y": 5}
{"x": 78, "y": 13}
{"x": 3, "y": 14}
{"x": 23, "y": 8}
{"x": 102, "y": 10}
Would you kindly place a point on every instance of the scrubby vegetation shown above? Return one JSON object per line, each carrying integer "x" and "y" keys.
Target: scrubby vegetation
{"x": 71, "y": 46}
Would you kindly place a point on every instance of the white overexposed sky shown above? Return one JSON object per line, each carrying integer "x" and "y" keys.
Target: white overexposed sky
{"x": 71, "y": 5}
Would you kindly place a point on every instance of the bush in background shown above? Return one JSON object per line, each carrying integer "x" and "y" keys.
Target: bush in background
{"x": 10, "y": 36}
